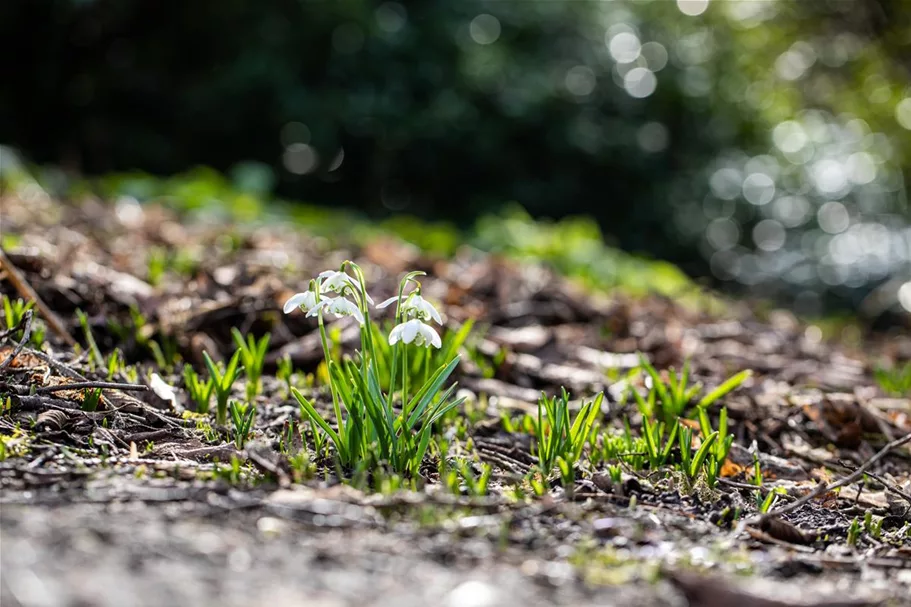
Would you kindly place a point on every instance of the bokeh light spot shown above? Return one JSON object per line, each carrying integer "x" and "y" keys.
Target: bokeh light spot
{"x": 758, "y": 188}
{"x": 625, "y": 47}
{"x": 391, "y": 17}
{"x": 723, "y": 233}
{"x": 904, "y": 296}
{"x": 484, "y": 29}
{"x": 652, "y": 137}
{"x": 769, "y": 235}
{"x": 833, "y": 217}
{"x": 692, "y": 8}
{"x": 903, "y": 113}
{"x": 640, "y": 82}
{"x": 655, "y": 56}
{"x": 300, "y": 158}
{"x": 580, "y": 81}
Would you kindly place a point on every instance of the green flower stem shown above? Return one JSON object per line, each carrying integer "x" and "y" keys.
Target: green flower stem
{"x": 426, "y": 367}
{"x": 325, "y": 341}
{"x": 367, "y": 345}
{"x": 405, "y": 378}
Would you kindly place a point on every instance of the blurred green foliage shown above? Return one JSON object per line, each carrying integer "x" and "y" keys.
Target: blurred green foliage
{"x": 573, "y": 246}
{"x": 764, "y": 143}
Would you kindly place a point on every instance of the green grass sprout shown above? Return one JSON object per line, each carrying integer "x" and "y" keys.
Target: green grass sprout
{"x": 222, "y": 382}
{"x": 200, "y": 392}
{"x": 253, "y": 356}
{"x": 95, "y": 354}
{"x": 242, "y": 417}
{"x": 558, "y": 436}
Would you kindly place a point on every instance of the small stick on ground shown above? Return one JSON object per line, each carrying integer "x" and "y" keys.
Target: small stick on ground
{"x": 890, "y": 486}
{"x": 60, "y": 367}
{"x": 27, "y": 292}
{"x": 822, "y": 488}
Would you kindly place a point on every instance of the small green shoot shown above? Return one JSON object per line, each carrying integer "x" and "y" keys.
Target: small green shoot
{"x": 222, "y": 382}
{"x": 854, "y": 532}
{"x": 242, "y": 417}
{"x": 674, "y": 395}
{"x": 96, "y": 357}
{"x": 692, "y": 463}
{"x": 894, "y": 381}
{"x": 658, "y": 450}
{"x": 726, "y": 387}
{"x": 200, "y": 392}
{"x": 765, "y": 505}
{"x": 559, "y": 436}
{"x": 14, "y": 311}
{"x": 720, "y": 448}
{"x": 115, "y": 364}
{"x": 253, "y": 356}
{"x": 476, "y": 485}
{"x": 156, "y": 265}
{"x": 91, "y": 399}
{"x": 873, "y": 527}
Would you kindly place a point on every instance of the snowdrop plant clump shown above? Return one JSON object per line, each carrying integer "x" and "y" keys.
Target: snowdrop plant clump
{"x": 390, "y": 427}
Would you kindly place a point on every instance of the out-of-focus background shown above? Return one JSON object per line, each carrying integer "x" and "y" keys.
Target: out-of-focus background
{"x": 762, "y": 146}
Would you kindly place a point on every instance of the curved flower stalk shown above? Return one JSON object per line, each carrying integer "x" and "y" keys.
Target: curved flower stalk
{"x": 367, "y": 426}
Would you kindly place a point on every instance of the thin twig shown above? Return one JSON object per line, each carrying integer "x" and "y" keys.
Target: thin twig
{"x": 62, "y": 368}
{"x": 890, "y": 486}
{"x": 28, "y": 293}
{"x": 822, "y": 488}
{"x": 26, "y": 334}
{"x": 92, "y": 384}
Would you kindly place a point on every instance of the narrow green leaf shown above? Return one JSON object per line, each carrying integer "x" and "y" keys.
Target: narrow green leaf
{"x": 729, "y": 385}
{"x": 701, "y": 454}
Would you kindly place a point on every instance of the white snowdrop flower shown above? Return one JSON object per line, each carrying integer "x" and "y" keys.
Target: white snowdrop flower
{"x": 306, "y": 300}
{"x": 338, "y": 306}
{"x": 415, "y": 331}
{"x": 340, "y": 282}
{"x": 415, "y": 306}
{"x": 163, "y": 390}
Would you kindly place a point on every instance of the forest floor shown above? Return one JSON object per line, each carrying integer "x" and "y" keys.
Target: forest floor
{"x": 141, "y": 502}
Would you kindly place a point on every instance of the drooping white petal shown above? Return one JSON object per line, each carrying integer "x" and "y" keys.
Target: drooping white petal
{"x": 314, "y": 310}
{"x": 388, "y": 302}
{"x": 425, "y": 309}
{"x": 336, "y": 282}
{"x": 307, "y": 300}
{"x": 431, "y": 336}
{"x": 412, "y": 327}
{"x": 344, "y": 307}
{"x": 416, "y": 332}
{"x": 427, "y": 336}
{"x": 396, "y": 334}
